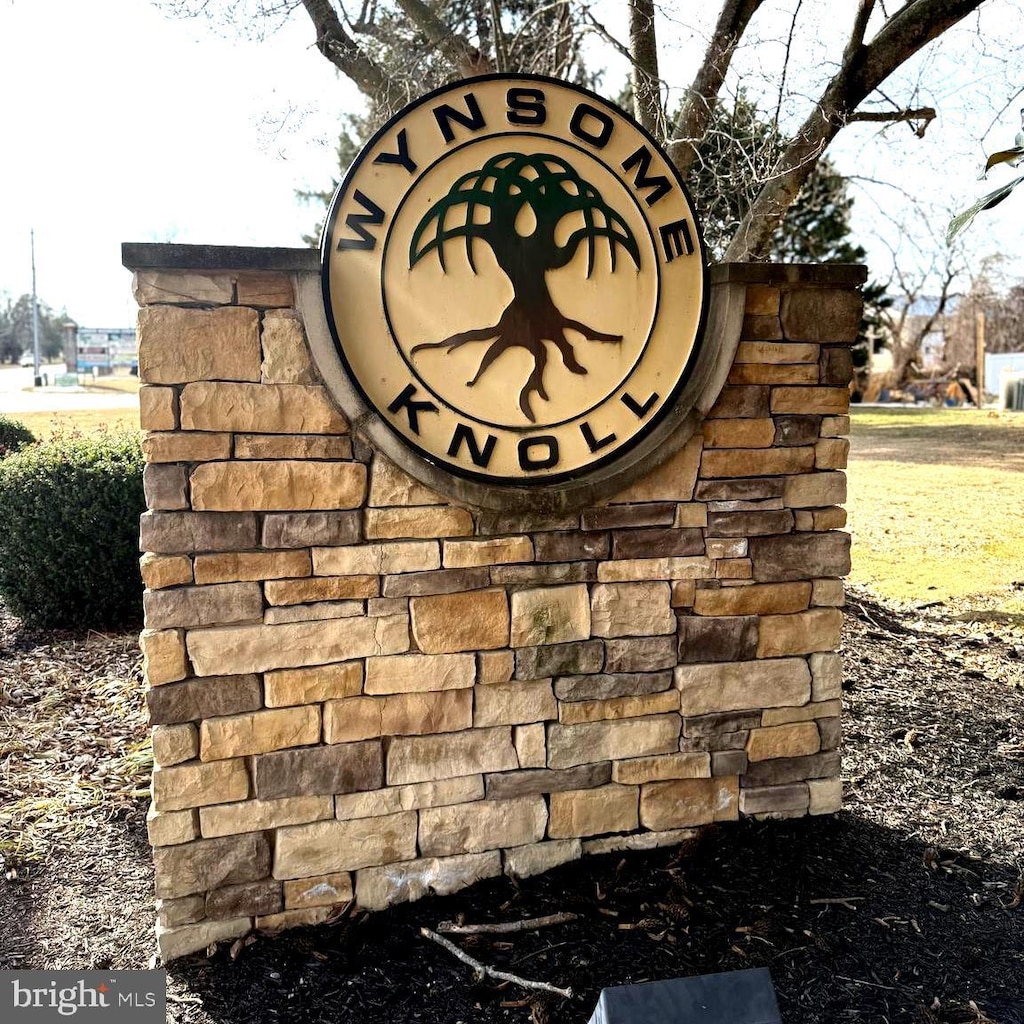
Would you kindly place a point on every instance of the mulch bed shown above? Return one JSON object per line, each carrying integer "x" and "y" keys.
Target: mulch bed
{"x": 907, "y": 906}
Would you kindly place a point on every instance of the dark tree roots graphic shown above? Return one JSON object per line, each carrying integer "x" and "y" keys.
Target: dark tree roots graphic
{"x": 540, "y": 190}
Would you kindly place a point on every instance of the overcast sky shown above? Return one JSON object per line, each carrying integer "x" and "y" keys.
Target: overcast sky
{"x": 120, "y": 124}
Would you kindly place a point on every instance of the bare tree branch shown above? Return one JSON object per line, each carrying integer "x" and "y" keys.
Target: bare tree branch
{"x": 925, "y": 115}
{"x": 343, "y": 52}
{"x": 644, "y": 46}
{"x": 464, "y": 58}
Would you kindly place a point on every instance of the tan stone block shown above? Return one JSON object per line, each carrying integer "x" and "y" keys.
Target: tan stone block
{"x": 550, "y": 615}
{"x": 803, "y": 633}
{"x": 419, "y": 522}
{"x": 575, "y": 712}
{"x": 261, "y": 648}
{"x": 402, "y": 714}
{"x": 495, "y": 666}
{"x": 327, "y": 847}
{"x": 169, "y": 828}
{"x": 814, "y": 490}
{"x": 430, "y": 758}
{"x": 159, "y": 571}
{"x": 826, "y": 796}
{"x": 734, "y": 569}
{"x": 483, "y": 825}
{"x": 638, "y": 841}
{"x": 796, "y": 740}
{"x": 828, "y": 593}
{"x": 688, "y": 802}
{"x": 639, "y": 569}
{"x": 831, "y": 453}
{"x": 314, "y": 612}
{"x": 471, "y": 621}
{"x": 259, "y": 815}
{"x": 181, "y": 345}
{"x": 277, "y": 486}
{"x": 775, "y": 352}
{"x": 683, "y": 593}
{"x": 734, "y": 686}
{"x": 739, "y": 433}
{"x": 184, "y": 910}
{"x": 419, "y": 673}
{"x": 726, "y": 547}
{"x": 807, "y": 713}
{"x": 810, "y": 401}
{"x": 691, "y": 516}
{"x": 173, "y": 744}
{"x": 527, "y": 861}
{"x": 835, "y": 426}
{"x": 826, "y": 676}
{"x": 195, "y": 784}
{"x": 749, "y": 462}
{"x": 186, "y": 447}
{"x": 293, "y": 446}
{"x": 531, "y": 745}
{"x": 591, "y": 812}
{"x": 673, "y": 480}
{"x": 263, "y": 288}
{"x": 269, "y": 924}
{"x": 258, "y": 732}
{"x": 286, "y": 358}
{"x": 390, "y": 485}
{"x": 388, "y": 557}
{"x": 377, "y": 888}
{"x": 516, "y": 703}
{"x": 638, "y": 770}
{"x": 251, "y": 565}
{"x": 259, "y": 408}
{"x": 163, "y": 655}
{"x": 570, "y": 745}
{"x": 762, "y": 300}
{"x": 158, "y": 408}
{"x": 319, "y": 891}
{"x": 463, "y": 554}
{"x": 151, "y": 287}
{"x": 774, "y": 373}
{"x": 632, "y": 609}
{"x": 173, "y": 943}
{"x": 220, "y": 604}
{"x": 413, "y": 797}
{"x": 756, "y": 599}
{"x": 321, "y": 588}
{"x": 832, "y": 518}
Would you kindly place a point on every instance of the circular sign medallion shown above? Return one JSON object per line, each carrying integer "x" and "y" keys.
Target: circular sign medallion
{"x": 514, "y": 280}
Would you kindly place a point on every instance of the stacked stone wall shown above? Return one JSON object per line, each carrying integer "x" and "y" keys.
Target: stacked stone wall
{"x": 362, "y": 690}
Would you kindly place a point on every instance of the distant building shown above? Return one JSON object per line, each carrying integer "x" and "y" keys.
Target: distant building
{"x": 105, "y": 350}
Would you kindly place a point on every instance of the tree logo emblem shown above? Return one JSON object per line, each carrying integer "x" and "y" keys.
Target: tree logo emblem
{"x": 515, "y": 286}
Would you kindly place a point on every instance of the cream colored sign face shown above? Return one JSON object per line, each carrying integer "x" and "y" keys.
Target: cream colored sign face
{"x": 514, "y": 280}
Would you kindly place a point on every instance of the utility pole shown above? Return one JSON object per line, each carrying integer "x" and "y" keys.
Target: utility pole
{"x": 979, "y": 354}
{"x": 35, "y": 315}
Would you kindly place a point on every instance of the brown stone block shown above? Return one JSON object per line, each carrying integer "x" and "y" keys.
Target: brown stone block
{"x": 311, "y": 529}
{"x": 800, "y": 556}
{"x": 516, "y": 703}
{"x": 248, "y": 898}
{"x": 606, "y": 686}
{"x": 430, "y": 758}
{"x": 708, "y": 639}
{"x": 746, "y": 462}
{"x": 258, "y": 732}
{"x": 728, "y": 762}
{"x": 190, "y": 532}
{"x": 286, "y": 358}
{"x": 559, "y": 659}
{"x": 826, "y": 315}
{"x": 490, "y": 523}
{"x": 570, "y": 545}
{"x": 738, "y": 433}
{"x": 815, "y": 489}
{"x": 762, "y": 300}
{"x": 831, "y": 453}
{"x": 795, "y": 740}
{"x": 340, "y": 768}
{"x": 821, "y": 519}
{"x": 319, "y": 891}
{"x": 733, "y": 569}
{"x": 638, "y": 770}
{"x": 715, "y": 725}
{"x": 807, "y": 713}
{"x": 775, "y": 800}
{"x": 835, "y": 426}
{"x": 173, "y": 943}
{"x": 465, "y": 554}
{"x": 836, "y": 366}
{"x": 791, "y": 431}
{"x": 503, "y": 785}
{"x": 163, "y": 656}
{"x": 757, "y": 327}
{"x": 263, "y": 288}
{"x": 321, "y": 588}
{"x": 194, "y": 699}
{"x": 181, "y": 345}
{"x": 756, "y": 599}
{"x": 312, "y": 685}
{"x": 483, "y": 825}
{"x": 277, "y": 486}
{"x": 829, "y": 593}
{"x": 774, "y": 373}
{"x": 178, "y": 446}
{"x": 617, "y": 516}
{"x": 477, "y": 620}
{"x": 683, "y": 593}
{"x": 810, "y": 400}
{"x": 221, "y": 604}
{"x": 418, "y": 522}
{"x": 399, "y": 714}
{"x": 656, "y": 543}
{"x": 497, "y": 666}
{"x": 577, "y": 712}
{"x": 260, "y": 409}
{"x": 380, "y": 887}
{"x": 645, "y": 654}
{"x": 687, "y": 802}
{"x": 755, "y": 489}
{"x": 741, "y": 402}
{"x": 631, "y": 609}
{"x": 437, "y": 581}
{"x": 418, "y": 673}
{"x": 592, "y": 812}
{"x": 831, "y": 732}
{"x": 210, "y": 864}
{"x": 672, "y": 480}
{"x": 251, "y": 566}
{"x": 159, "y": 571}
{"x": 185, "y": 910}
{"x": 195, "y": 784}
{"x": 803, "y": 633}
{"x": 735, "y": 686}
{"x": 570, "y": 745}
{"x": 782, "y": 771}
{"x": 749, "y": 524}
{"x": 292, "y": 446}
{"x": 165, "y": 487}
{"x": 776, "y": 352}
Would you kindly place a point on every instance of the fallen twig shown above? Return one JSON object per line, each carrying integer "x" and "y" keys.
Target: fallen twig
{"x": 840, "y": 901}
{"x": 483, "y": 971}
{"x": 504, "y": 927}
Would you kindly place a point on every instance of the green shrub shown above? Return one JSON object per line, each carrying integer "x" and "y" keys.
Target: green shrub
{"x": 69, "y": 529}
{"x": 13, "y": 435}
